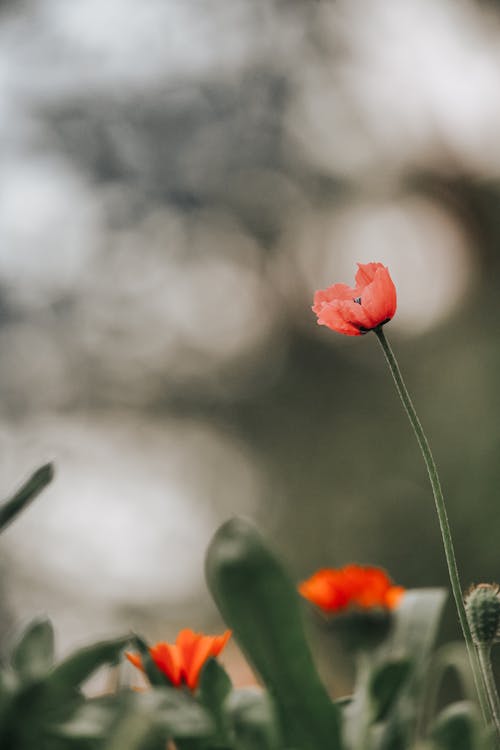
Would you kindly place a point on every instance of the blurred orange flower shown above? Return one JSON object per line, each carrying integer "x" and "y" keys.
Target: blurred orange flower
{"x": 353, "y": 586}
{"x": 183, "y": 660}
{"x": 354, "y": 311}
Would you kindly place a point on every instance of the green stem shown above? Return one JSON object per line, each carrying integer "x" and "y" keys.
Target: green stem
{"x": 361, "y": 702}
{"x": 484, "y": 656}
{"x": 480, "y": 679}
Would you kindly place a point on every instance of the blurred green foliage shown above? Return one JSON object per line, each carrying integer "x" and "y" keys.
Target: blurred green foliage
{"x": 43, "y": 706}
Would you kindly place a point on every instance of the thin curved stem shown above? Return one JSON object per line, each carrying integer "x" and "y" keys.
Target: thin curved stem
{"x": 477, "y": 669}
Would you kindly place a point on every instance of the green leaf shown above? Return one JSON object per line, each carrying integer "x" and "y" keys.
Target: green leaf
{"x": 39, "y": 706}
{"x": 8, "y": 686}
{"x": 175, "y": 711}
{"x": 414, "y": 634}
{"x": 385, "y": 686}
{"x": 214, "y": 688}
{"x": 139, "y": 721}
{"x": 451, "y": 656}
{"x": 261, "y": 605}
{"x": 149, "y": 719}
{"x": 22, "y": 728}
{"x": 416, "y": 623}
{"x": 254, "y": 721}
{"x": 76, "y": 668}
{"x": 33, "y": 656}
{"x": 134, "y": 732}
{"x": 92, "y": 719}
{"x": 457, "y": 728}
{"x": 25, "y": 495}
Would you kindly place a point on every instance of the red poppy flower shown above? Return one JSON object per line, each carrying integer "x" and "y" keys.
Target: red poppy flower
{"x": 183, "y": 660}
{"x": 354, "y": 311}
{"x": 353, "y": 586}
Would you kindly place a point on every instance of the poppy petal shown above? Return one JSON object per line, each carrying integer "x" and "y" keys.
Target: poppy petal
{"x": 333, "y": 590}
{"x": 167, "y": 658}
{"x": 379, "y": 298}
{"x": 326, "y": 588}
{"x": 335, "y": 292}
{"x": 195, "y": 649}
{"x": 393, "y": 596}
{"x": 187, "y": 641}
{"x": 366, "y": 273}
{"x": 220, "y": 641}
{"x": 134, "y": 659}
{"x": 205, "y": 647}
{"x": 344, "y": 316}
{"x": 200, "y": 655}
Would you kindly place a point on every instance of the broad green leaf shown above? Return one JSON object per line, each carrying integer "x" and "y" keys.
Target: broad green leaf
{"x": 416, "y": 624}
{"x": 214, "y": 687}
{"x": 378, "y": 687}
{"x": 261, "y": 605}
{"x": 457, "y": 728}
{"x": 417, "y": 619}
{"x": 76, "y": 668}
{"x": 385, "y": 686}
{"x": 254, "y": 721}
{"x": 33, "y": 656}
{"x": 25, "y": 495}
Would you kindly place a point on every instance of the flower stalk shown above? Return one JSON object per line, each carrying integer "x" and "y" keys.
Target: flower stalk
{"x": 484, "y": 656}
{"x": 478, "y": 664}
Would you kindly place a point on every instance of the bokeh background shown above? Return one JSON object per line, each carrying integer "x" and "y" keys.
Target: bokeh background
{"x": 177, "y": 178}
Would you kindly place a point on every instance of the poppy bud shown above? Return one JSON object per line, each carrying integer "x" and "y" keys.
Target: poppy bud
{"x": 482, "y": 604}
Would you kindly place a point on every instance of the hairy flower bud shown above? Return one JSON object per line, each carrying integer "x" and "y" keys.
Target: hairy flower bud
{"x": 482, "y": 604}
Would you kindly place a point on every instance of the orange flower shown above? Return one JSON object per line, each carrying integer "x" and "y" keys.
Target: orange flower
{"x": 181, "y": 662}
{"x": 352, "y": 586}
{"x": 354, "y": 311}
